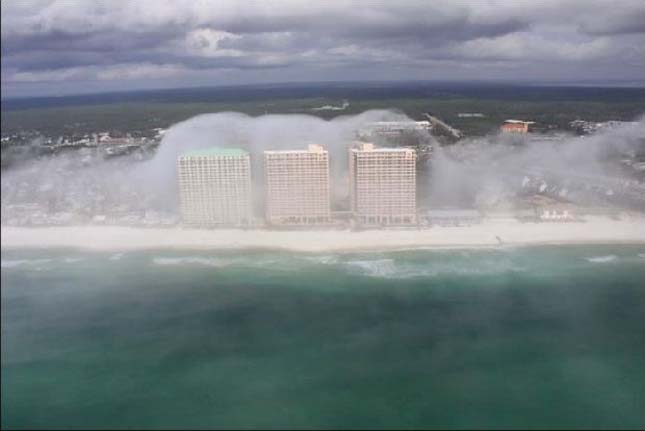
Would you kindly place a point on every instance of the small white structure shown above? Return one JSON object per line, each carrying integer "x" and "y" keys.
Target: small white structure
{"x": 556, "y": 215}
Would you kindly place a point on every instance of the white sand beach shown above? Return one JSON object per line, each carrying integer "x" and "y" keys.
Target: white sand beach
{"x": 492, "y": 232}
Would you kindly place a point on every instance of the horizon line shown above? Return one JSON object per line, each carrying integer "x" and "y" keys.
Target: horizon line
{"x": 626, "y": 84}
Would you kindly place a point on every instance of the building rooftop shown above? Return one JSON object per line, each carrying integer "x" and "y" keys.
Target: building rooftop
{"x": 403, "y": 124}
{"x": 215, "y": 151}
{"x": 370, "y": 147}
{"x": 519, "y": 122}
{"x": 311, "y": 148}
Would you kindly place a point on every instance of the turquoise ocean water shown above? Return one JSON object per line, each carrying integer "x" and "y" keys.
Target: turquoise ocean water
{"x": 498, "y": 338}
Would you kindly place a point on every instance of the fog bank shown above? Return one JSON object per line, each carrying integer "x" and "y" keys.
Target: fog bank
{"x": 475, "y": 172}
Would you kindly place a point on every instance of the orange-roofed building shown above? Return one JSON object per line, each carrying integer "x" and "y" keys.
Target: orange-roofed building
{"x": 516, "y": 126}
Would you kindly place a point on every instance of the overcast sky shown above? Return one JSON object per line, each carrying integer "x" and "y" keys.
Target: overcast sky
{"x": 73, "y": 46}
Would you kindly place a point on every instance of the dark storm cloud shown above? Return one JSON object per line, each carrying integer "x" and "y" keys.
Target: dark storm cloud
{"x": 629, "y": 23}
{"x": 397, "y": 26}
{"x": 54, "y": 40}
{"x": 103, "y": 41}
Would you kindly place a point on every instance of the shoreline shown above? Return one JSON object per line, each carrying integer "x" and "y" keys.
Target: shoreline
{"x": 594, "y": 231}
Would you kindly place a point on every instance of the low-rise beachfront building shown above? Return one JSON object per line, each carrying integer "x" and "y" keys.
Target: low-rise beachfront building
{"x": 297, "y": 186}
{"x": 215, "y": 187}
{"x": 382, "y": 185}
{"x": 516, "y": 126}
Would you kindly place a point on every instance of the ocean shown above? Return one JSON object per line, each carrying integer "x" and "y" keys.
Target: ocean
{"x": 529, "y": 337}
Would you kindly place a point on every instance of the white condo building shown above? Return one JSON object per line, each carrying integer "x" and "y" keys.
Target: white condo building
{"x": 382, "y": 185}
{"x": 297, "y": 186}
{"x": 215, "y": 187}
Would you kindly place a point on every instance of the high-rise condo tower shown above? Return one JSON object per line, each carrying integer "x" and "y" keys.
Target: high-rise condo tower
{"x": 297, "y": 186}
{"x": 382, "y": 185}
{"x": 215, "y": 187}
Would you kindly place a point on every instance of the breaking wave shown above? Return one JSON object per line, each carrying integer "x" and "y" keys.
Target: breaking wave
{"x": 602, "y": 259}
{"x": 375, "y": 268}
{"x": 116, "y": 256}
{"x": 190, "y": 260}
{"x": 220, "y": 262}
{"x": 13, "y": 263}
{"x": 37, "y": 263}
{"x": 323, "y": 260}
{"x": 388, "y": 268}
